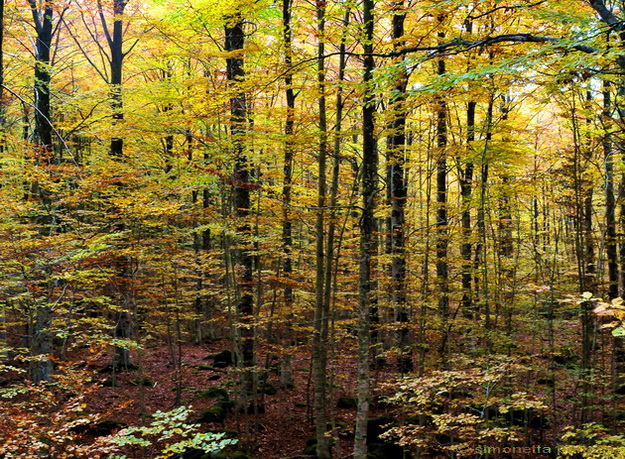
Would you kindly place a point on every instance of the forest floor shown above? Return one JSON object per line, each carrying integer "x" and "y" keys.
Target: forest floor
{"x": 282, "y": 430}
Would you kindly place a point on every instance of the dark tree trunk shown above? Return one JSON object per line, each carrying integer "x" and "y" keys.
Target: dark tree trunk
{"x": 242, "y": 184}
{"x": 43, "y": 44}
{"x": 42, "y": 368}
{"x": 442, "y": 238}
{"x": 397, "y": 192}
{"x": 584, "y": 251}
{"x": 43, "y": 20}
{"x": 286, "y": 372}
{"x": 3, "y": 335}
{"x": 610, "y": 203}
{"x": 320, "y": 328}
{"x": 123, "y": 326}
{"x": 1, "y": 65}
{"x": 117, "y": 58}
{"x": 466, "y": 188}
{"x": 367, "y": 233}
{"x": 481, "y": 281}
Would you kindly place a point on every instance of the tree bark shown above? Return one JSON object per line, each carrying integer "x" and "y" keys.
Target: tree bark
{"x": 442, "y": 237}
{"x": 286, "y": 372}
{"x": 123, "y": 326}
{"x": 117, "y": 58}
{"x": 43, "y": 21}
{"x": 320, "y": 328}
{"x": 466, "y": 188}
{"x": 44, "y": 27}
{"x": 242, "y": 184}
{"x": 610, "y": 202}
{"x": 397, "y": 193}
{"x": 369, "y": 186}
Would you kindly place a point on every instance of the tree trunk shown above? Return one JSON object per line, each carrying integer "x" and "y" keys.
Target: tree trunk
{"x": 3, "y": 318}
{"x": 480, "y": 266}
{"x": 610, "y": 203}
{"x": 466, "y": 188}
{"x": 585, "y": 254}
{"x": 397, "y": 192}
{"x": 286, "y": 372}
{"x": 117, "y": 57}
{"x": 43, "y": 20}
{"x": 123, "y": 326}
{"x": 43, "y": 127}
{"x": 367, "y": 233}
{"x": 320, "y": 328}
{"x": 442, "y": 237}
{"x": 242, "y": 184}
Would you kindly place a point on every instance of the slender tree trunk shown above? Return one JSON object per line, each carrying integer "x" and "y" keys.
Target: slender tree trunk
{"x": 117, "y": 58}
{"x": 286, "y": 372}
{"x": 507, "y": 266}
{"x": 332, "y": 249}
{"x": 320, "y": 328}
{"x": 585, "y": 256}
{"x": 621, "y": 195}
{"x": 397, "y": 192}
{"x": 42, "y": 368}
{"x": 442, "y": 237}
{"x": 123, "y": 326}
{"x": 3, "y": 318}
{"x": 466, "y": 188}
{"x": 2, "y": 107}
{"x": 242, "y": 184}
{"x": 610, "y": 203}
{"x": 367, "y": 237}
{"x": 43, "y": 20}
{"x": 611, "y": 240}
{"x": 168, "y": 140}
{"x": 481, "y": 280}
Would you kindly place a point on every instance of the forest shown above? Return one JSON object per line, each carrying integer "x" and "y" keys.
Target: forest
{"x": 270, "y": 229}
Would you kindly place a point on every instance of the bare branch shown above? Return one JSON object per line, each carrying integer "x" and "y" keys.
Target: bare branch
{"x": 104, "y": 25}
{"x": 86, "y": 55}
{"x": 464, "y": 45}
{"x": 504, "y": 7}
{"x": 58, "y": 134}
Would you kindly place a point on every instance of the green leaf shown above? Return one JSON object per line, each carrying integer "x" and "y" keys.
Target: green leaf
{"x": 619, "y": 331}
